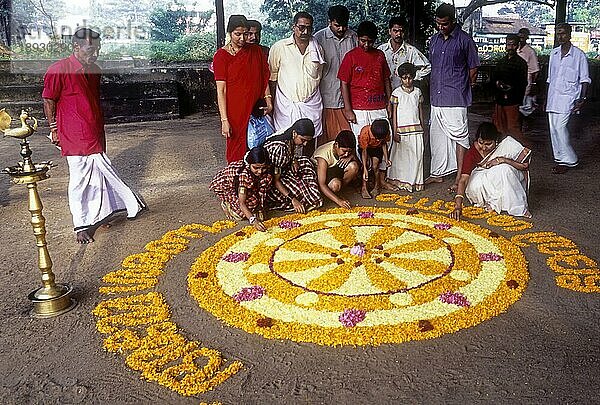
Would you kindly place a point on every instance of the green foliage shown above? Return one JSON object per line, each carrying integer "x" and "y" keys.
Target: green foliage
{"x": 593, "y": 58}
{"x": 187, "y": 48}
{"x": 371, "y": 10}
{"x": 168, "y": 23}
{"x": 173, "y": 21}
{"x": 586, "y": 11}
{"x": 420, "y": 16}
{"x": 280, "y": 15}
{"x": 116, "y": 51}
{"x": 536, "y": 15}
{"x": 28, "y": 11}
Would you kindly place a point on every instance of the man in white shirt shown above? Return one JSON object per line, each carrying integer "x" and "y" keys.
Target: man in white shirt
{"x": 336, "y": 40}
{"x": 568, "y": 82}
{"x": 397, "y": 51}
{"x": 296, "y": 65}
{"x": 533, "y": 68}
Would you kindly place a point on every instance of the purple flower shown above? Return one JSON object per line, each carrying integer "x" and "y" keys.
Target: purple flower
{"x": 249, "y": 293}
{"x": 455, "y": 298}
{"x": 358, "y": 250}
{"x": 490, "y": 257}
{"x": 350, "y": 317}
{"x": 236, "y": 257}
{"x": 442, "y": 226}
{"x": 366, "y": 214}
{"x": 289, "y": 224}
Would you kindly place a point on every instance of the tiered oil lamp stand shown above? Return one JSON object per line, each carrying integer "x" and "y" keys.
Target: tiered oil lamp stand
{"x": 51, "y": 299}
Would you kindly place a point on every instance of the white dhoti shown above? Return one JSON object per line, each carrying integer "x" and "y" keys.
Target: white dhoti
{"x": 366, "y": 117}
{"x": 501, "y": 187}
{"x": 564, "y": 154}
{"x": 96, "y": 191}
{"x": 449, "y": 127}
{"x": 286, "y": 111}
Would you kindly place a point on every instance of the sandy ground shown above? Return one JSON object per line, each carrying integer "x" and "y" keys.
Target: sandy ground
{"x": 545, "y": 348}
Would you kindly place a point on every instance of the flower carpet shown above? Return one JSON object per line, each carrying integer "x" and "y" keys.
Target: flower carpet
{"x": 367, "y": 276}
{"x": 362, "y": 277}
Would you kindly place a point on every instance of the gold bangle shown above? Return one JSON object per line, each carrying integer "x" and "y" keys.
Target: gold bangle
{"x": 268, "y": 96}
{"x": 224, "y": 119}
{"x": 459, "y": 195}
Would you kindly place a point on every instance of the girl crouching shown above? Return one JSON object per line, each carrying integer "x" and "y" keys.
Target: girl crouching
{"x": 242, "y": 187}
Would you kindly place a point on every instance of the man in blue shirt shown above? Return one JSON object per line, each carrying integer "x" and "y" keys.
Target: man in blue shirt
{"x": 454, "y": 63}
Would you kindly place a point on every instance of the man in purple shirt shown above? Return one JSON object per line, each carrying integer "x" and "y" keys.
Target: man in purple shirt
{"x": 454, "y": 63}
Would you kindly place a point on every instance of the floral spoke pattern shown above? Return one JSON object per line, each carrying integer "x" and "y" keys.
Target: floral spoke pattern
{"x": 359, "y": 276}
{"x": 332, "y": 279}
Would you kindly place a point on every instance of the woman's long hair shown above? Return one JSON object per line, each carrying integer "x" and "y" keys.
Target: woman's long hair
{"x": 303, "y": 127}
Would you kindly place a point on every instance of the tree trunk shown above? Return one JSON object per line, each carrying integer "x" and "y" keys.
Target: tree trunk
{"x": 561, "y": 16}
{"x": 220, "y": 14}
{"x": 5, "y": 17}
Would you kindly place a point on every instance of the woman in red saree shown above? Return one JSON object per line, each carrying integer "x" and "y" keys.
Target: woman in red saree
{"x": 242, "y": 76}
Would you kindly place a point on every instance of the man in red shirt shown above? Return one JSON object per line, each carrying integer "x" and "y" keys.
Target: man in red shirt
{"x": 72, "y": 106}
{"x": 365, "y": 80}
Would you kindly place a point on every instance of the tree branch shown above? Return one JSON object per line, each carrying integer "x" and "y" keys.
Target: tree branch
{"x": 475, "y": 4}
{"x": 43, "y": 11}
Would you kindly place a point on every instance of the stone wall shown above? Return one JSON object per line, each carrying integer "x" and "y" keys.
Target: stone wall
{"x": 128, "y": 93}
{"x": 142, "y": 93}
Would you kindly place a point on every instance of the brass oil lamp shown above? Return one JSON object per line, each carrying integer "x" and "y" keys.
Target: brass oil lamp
{"x": 51, "y": 299}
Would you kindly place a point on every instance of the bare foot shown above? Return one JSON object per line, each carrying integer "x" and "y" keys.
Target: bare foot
{"x": 396, "y": 183}
{"x": 365, "y": 194}
{"x": 431, "y": 180}
{"x": 375, "y": 192}
{"x": 388, "y": 186}
{"x": 84, "y": 237}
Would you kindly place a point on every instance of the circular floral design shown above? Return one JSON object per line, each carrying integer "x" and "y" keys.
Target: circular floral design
{"x": 359, "y": 277}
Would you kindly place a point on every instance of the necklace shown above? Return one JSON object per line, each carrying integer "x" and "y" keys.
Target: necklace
{"x": 232, "y": 50}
